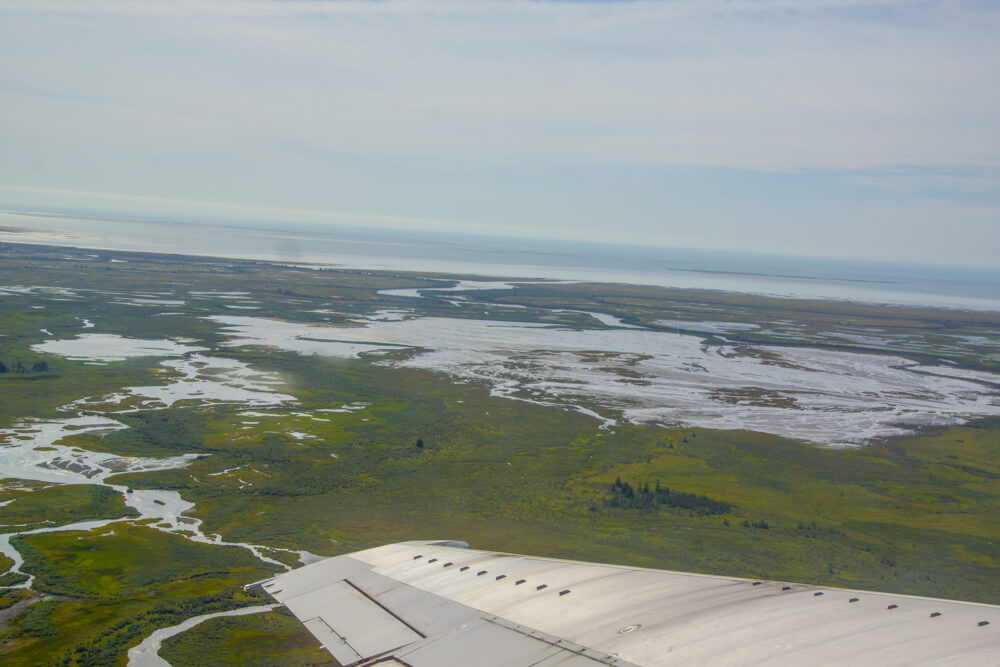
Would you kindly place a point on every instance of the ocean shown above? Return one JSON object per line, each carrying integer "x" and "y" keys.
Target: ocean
{"x": 893, "y": 283}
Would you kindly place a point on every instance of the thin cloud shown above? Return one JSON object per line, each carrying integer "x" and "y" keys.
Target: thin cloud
{"x": 204, "y": 209}
{"x": 426, "y": 113}
{"x": 748, "y": 85}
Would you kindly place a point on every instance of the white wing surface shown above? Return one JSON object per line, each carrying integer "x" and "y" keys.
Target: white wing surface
{"x": 433, "y": 604}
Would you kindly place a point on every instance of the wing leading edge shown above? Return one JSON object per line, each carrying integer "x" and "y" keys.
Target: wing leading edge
{"x": 436, "y": 603}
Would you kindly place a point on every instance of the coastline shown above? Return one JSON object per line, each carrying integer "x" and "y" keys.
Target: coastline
{"x": 803, "y": 279}
{"x": 523, "y": 274}
{"x": 731, "y": 361}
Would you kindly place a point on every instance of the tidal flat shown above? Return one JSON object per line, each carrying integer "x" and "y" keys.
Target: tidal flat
{"x": 856, "y": 445}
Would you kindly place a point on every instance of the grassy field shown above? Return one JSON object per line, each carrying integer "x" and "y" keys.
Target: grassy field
{"x": 115, "y": 585}
{"x": 257, "y": 640}
{"x": 913, "y": 515}
{"x": 62, "y": 504}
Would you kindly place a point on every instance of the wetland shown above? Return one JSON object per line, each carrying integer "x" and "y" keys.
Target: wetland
{"x": 174, "y": 427}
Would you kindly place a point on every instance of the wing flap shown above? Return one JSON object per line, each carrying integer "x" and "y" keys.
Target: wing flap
{"x": 350, "y": 624}
{"x": 332, "y": 642}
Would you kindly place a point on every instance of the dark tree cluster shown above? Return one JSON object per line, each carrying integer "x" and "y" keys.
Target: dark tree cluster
{"x": 624, "y": 495}
{"x": 18, "y": 367}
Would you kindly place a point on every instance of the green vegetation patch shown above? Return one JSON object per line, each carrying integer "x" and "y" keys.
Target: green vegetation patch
{"x": 11, "y": 597}
{"x": 11, "y": 488}
{"x": 37, "y": 622}
{"x": 62, "y": 504}
{"x": 256, "y": 640}
{"x": 119, "y": 560}
{"x": 12, "y": 579}
{"x": 115, "y": 585}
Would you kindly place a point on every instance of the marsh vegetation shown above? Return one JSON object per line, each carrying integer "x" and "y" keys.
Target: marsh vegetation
{"x": 294, "y": 450}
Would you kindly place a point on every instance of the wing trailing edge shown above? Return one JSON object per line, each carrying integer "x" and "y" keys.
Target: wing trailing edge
{"x": 437, "y": 603}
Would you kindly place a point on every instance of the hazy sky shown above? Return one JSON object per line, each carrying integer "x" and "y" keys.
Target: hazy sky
{"x": 821, "y": 127}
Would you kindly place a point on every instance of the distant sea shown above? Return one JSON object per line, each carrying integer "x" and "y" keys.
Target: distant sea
{"x": 345, "y": 247}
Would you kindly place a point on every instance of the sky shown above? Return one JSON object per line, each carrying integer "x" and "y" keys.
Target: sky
{"x": 839, "y": 128}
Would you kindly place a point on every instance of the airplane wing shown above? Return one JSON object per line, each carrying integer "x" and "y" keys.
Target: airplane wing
{"x": 428, "y": 604}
